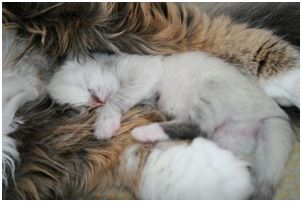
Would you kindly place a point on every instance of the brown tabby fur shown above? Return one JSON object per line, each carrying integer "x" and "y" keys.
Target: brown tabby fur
{"x": 79, "y": 29}
{"x": 61, "y": 159}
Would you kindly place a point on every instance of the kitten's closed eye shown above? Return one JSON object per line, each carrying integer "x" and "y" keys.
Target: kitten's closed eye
{"x": 101, "y": 86}
{"x": 83, "y": 85}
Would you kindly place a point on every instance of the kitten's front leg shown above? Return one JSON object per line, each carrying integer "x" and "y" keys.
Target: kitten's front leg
{"x": 108, "y": 122}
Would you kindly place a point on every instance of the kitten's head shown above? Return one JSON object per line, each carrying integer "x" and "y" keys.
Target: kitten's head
{"x": 83, "y": 85}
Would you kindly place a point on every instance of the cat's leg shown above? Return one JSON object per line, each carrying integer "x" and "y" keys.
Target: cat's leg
{"x": 130, "y": 94}
{"x": 175, "y": 129}
{"x": 284, "y": 87}
{"x": 14, "y": 84}
{"x": 185, "y": 170}
{"x": 266, "y": 144}
{"x": 16, "y": 92}
{"x": 273, "y": 147}
{"x": 179, "y": 128}
{"x": 108, "y": 122}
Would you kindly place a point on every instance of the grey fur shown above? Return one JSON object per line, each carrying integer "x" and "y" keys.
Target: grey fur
{"x": 179, "y": 130}
{"x": 281, "y": 17}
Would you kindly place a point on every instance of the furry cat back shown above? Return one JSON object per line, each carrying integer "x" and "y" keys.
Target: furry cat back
{"x": 283, "y": 18}
{"x": 147, "y": 28}
{"x": 157, "y": 28}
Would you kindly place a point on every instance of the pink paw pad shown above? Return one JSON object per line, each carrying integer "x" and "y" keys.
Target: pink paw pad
{"x": 149, "y": 133}
{"x": 105, "y": 129}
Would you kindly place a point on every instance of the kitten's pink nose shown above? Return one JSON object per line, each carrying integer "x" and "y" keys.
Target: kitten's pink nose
{"x": 95, "y": 101}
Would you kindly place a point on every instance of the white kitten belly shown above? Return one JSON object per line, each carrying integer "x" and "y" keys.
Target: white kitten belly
{"x": 237, "y": 136}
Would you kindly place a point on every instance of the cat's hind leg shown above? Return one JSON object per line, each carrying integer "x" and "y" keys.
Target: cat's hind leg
{"x": 266, "y": 144}
{"x": 175, "y": 129}
{"x": 274, "y": 144}
{"x": 284, "y": 88}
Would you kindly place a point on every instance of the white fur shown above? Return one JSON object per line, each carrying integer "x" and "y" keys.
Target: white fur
{"x": 16, "y": 92}
{"x": 20, "y": 84}
{"x": 149, "y": 133}
{"x": 9, "y": 156}
{"x": 200, "y": 170}
{"x": 284, "y": 87}
{"x": 106, "y": 126}
{"x": 76, "y": 84}
{"x": 82, "y": 85}
{"x": 194, "y": 88}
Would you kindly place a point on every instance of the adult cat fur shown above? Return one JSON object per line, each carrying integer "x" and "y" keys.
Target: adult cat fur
{"x": 157, "y": 28}
{"x": 21, "y": 84}
{"x": 35, "y": 33}
{"x": 283, "y": 18}
{"x": 62, "y": 160}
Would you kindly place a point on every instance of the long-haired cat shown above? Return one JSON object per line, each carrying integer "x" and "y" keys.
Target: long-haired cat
{"x": 157, "y": 28}
{"x": 142, "y": 31}
{"x": 283, "y": 19}
{"x": 61, "y": 159}
{"x": 202, "y": 95}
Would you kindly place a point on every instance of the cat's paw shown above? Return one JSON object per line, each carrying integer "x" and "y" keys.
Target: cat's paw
{"x": 15, "y": 85}
{"x": 149, "y": 133}
{"x": 284, "y": 88}
{"x": 107, "y": 124}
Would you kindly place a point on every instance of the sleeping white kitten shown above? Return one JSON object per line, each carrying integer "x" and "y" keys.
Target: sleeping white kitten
{"x": 202, "y": 95}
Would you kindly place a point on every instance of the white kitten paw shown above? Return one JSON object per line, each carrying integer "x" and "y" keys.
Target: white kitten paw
{"x": 15, "y": 85}
{"x": 107, "y": 125}
{"x": 149, "y": 133}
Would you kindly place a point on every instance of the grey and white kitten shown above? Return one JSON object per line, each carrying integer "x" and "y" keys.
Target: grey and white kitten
{"x": 202, "y": 95}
